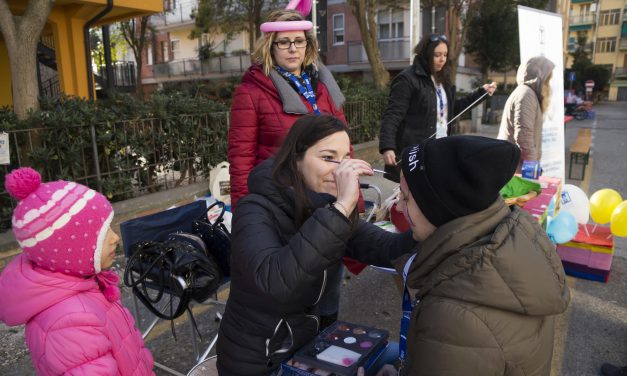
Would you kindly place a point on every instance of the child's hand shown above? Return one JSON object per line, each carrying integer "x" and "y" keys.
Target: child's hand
{"x": 386, "y": 370}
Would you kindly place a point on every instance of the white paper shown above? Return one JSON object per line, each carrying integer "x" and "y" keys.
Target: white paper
{"x": 5, "y": 155}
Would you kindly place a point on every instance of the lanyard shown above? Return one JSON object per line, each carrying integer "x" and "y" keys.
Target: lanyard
{"x": 441, "y": 100}
{"x": 407, "y": 308}
{"x": 307, "y": 92}
{"x": 441, "y": 126}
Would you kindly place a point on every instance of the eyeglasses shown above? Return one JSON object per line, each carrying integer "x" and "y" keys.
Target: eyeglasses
{"x": 285, "y": 44}
{"x": 438, "y": 37}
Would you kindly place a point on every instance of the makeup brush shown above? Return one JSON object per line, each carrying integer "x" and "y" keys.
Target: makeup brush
{"x": 374, "y": 169}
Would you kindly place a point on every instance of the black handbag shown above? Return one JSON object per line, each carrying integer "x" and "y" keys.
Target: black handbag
{"x": 216, "y": 237}
{"x": 160, "y": 266}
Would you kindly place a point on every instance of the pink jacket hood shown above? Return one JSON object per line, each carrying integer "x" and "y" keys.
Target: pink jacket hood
{"x": 74, "y": 325}
{"x": 26, "y": 290}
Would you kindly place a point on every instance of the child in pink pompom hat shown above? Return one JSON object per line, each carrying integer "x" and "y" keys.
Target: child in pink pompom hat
{"x": 61, "y": 286}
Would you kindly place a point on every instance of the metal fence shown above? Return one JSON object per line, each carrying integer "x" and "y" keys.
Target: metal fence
{"x": 197, "y": 67}
{"x": 122, "y": 160}
{"x": 131, "y": 158}
{"x": 364, "y": 118}
{"x": 390, "y": 50}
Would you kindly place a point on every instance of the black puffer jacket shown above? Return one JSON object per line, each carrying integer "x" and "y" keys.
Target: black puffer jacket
{"x": 278, "y": 273}
{"x": 411, "y": 116}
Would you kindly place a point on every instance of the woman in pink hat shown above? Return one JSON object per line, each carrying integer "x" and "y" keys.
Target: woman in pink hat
{"x": 61, "y": 286}
{"x": 285, "y": 82}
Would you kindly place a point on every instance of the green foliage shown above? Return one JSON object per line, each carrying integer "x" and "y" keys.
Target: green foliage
{"x": 240, "y": 52}
{"x": 358, "y": 90}
{"x": 584, "y": 68}
{"x": 118, "y": 45}
{"x": 492, "y": 33}
{"x": 363, "y": 108}
{"x": 218, "y": 90}
{"x": 141, "y": 146}
{"x": 599, "y": 74}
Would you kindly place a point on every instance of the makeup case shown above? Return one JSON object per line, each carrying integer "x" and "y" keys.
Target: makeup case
{"x": 340, "y": 350}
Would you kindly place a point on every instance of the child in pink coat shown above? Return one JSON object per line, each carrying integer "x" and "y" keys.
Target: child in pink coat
{"x": 60, "y": 286}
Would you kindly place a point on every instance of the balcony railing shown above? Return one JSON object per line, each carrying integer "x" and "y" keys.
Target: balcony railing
{"x": 196, "y": 67}
{"x": 181, "y": 14}
{"x": 390, "y": 50}
{"x": 587, "y": 48}
{"x": 124, "y": 73}
{"x": 623, "y": 43}
{"x": 620, "y": 72}
{"x": 588, "y": 19}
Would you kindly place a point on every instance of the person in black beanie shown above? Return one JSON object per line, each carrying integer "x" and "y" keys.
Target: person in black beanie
{"x": 485, "y": 282}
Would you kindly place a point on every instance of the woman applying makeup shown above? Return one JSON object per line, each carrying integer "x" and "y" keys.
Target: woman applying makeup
{"x": 422, "y": 101}
{"x": 298, "y": 221}
{"x": 286, "y": 82}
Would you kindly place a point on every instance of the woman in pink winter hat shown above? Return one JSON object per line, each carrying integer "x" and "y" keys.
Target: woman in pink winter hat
{"x": 60, "y": 286}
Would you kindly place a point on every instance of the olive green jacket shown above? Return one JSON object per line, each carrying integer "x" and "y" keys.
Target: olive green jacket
{"x": 488, "y": 285}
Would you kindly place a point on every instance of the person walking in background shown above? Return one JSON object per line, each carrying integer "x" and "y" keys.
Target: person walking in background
{"x": 486, "y": 283}
{"x": 289, "y": 233}
{"x": 422, "y": 100}
{"x": 285, "y": 82}
{"x": 61, "y": 286}
{"x": 525, "y": 108}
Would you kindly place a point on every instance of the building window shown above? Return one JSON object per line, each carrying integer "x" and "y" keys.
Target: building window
{"x": 149, "y": 54}
{"x": 609, "y": 17}
{"x": 165, "y": 51}
{"x": 433, "y": 20}
{"x": 175, "y": 46}
{"x": 169, "y": 5}
{"x": 606, "y": 45}
{"x": 338, "y": 28}
{"x": 391, "y": 24}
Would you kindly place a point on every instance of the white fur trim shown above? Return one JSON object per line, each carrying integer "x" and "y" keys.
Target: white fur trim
{"x": 99, "y": 243}
{"x": 33, "y": 214}
{"x": 60, "y": 222}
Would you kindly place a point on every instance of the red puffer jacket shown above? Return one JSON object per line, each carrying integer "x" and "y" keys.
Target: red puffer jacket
{"x": 262, "y": 112}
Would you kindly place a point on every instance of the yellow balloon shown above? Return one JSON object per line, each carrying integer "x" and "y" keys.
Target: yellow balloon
{"x": 619, "y": 220}
{"x": 602, "y": 204}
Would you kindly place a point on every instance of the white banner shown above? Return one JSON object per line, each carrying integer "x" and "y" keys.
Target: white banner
{"x": 540, "y": 34}
{"x": 5, "y": 155}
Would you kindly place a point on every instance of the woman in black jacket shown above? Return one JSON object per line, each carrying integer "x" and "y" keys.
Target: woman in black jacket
{"x": 289, "y": 233}
{"x": 422, "y": 100}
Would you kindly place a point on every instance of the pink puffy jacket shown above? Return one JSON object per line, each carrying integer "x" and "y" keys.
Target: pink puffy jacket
{"x": 71, "y": 328}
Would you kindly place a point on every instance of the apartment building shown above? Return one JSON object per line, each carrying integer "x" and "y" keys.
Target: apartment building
{"x": 344, "y": 51}
{"x": 604, "y": 23}
{"x": 171, "y": 55}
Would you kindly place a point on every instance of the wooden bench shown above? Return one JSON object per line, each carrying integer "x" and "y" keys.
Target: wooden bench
{"x": 580, "y": 151}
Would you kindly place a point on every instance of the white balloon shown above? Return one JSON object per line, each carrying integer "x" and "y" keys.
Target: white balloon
{"x": 575, "y": 202}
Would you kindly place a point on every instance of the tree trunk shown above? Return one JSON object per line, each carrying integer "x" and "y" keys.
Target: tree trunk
{"x": 251, "y": 36}
{"x": 454, "y": 40}
{"x": 365, "y": 12}
{"x": 23, "y": 62}
{"x": 21, "y": 34}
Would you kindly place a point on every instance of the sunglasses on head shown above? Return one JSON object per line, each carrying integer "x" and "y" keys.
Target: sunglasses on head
{"x": 438, "y": 37}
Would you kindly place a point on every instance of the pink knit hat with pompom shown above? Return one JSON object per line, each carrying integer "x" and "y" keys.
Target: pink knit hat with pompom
{"x": 60, "y": 226}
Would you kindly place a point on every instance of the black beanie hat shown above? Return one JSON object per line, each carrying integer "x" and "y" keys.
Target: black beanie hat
{"x": 451, "y": 177}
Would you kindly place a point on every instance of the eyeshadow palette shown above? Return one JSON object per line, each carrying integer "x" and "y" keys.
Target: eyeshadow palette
{"x": 343, "y": 347}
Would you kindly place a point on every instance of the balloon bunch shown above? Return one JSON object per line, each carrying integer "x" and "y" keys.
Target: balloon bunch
{"x": 605, "y": 205}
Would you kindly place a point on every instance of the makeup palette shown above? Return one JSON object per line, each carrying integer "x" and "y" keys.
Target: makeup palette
{"x": 344, "y": 347}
